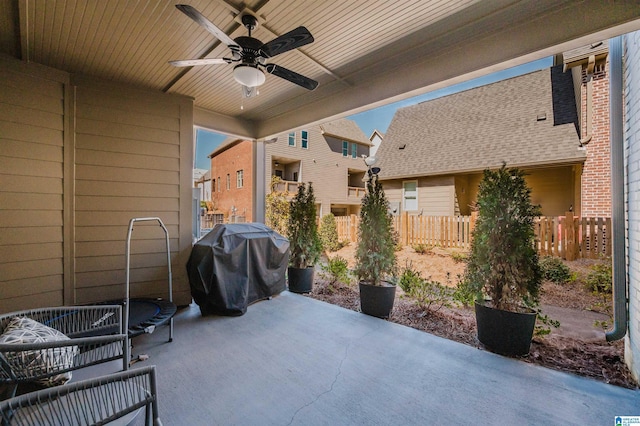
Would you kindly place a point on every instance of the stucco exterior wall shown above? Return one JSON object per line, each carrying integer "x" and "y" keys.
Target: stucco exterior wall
{"x": 632, "y": 151}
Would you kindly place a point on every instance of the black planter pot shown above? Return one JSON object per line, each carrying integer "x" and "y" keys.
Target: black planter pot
{"x": 505, "y": 332}
{"x": 300, "y": 279}
{"x": 377, "y": 300}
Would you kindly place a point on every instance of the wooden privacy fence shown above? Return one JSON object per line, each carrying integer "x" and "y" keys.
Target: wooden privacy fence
{"x": 566, "y": 236}
{"x": 572, "y": 237}
{"x": 443, "y": 231}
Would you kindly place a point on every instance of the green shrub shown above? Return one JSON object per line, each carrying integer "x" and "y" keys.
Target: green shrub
{"x": 430, "y": 295}
{"x": 277, "y": 208}
{"x": 329, "y": 233}
{"x": 422, "y": 248}
{"x": 459, "y": 257}
{"x": 375, "y": 255}
{"x": 553, "y": 269}
{"x": 336, "y": 270}
{"x": 302, "y": 229}
{"x": 464, "y": 293}
{"x": 503, "y": 263}
{"x": 600, "y": 279}
{"x": 409, "y": 278}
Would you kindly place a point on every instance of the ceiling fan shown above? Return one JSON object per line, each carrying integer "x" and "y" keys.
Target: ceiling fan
{"x": 250, "y": 55}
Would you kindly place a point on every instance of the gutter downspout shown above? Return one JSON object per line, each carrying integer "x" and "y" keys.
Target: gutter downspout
{"x": 620, "y": 308}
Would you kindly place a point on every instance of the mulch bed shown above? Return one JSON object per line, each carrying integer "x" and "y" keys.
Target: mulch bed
{"x": 599, "y": 360}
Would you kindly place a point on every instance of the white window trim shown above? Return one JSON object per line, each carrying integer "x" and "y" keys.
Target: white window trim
{"x": 239, "y": 179}
{"x": 302, "y": 139}
{"x": 404, "y": 199}
{"x": 289, "y": 139}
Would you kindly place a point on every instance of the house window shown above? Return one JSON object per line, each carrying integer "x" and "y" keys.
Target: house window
{"x": 279, "y": 174}
{"x": 304, "y": 139}
{"x": 292, "y": 139}
{"x": 345, "y": 148}
{"x": 239, "y": 179}
{"x": 354, "y": 150}
{"x": 218, "y": 188}
{"x": 295, "y": 176}
{"x": 228, "y": 182}
{"x": 410, "y": 195}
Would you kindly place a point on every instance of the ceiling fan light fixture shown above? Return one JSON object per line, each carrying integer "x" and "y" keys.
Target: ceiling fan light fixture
{"x": 248, "y": 75}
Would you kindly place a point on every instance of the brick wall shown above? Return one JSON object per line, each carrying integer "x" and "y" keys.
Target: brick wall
{"x": 229, "y": 162}
{"x": 632, "y": 153}
{"x": 596, "y": 175}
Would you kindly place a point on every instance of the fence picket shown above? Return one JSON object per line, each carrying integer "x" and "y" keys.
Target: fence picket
{"x": 565, "y": 237}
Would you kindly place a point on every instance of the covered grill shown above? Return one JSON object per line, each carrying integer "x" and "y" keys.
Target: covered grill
{"x": 235, "y": 265}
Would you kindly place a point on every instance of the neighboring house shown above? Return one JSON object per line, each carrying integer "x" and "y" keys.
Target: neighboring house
{"x": 202, "y": 181}
{"x": 231, "y": 179}
{"x": 434, "y": 153}
{"x": 330, "y": 156}
{"x": 589, "y": 67}
{"x": 375, "y": 139}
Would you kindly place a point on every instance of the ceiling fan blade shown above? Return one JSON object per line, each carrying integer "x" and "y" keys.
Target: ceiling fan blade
{"x": 291, "y": 40}
{"x": 199, "y": 18}
{"x": 195, "y": 62}
{"x": 292, "y": 76}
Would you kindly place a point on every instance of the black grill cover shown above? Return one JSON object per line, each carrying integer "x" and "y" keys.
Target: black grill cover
{"x": 235, "y": 265}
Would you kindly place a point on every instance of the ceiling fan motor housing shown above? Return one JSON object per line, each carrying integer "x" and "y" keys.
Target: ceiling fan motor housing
{"x": 249, "y": 53}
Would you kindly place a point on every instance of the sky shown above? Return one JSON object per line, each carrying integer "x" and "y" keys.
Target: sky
{"x": 380, "y": 118}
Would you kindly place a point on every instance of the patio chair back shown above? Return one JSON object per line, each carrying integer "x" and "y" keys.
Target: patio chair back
{"x": 95, "y": 401}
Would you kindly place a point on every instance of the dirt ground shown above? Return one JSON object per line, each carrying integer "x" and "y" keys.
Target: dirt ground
{"x": 577, "y": 346}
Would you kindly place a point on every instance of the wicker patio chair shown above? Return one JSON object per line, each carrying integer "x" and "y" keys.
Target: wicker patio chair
{"x": 94, "y": 335}
{"x": 95, "y": 401}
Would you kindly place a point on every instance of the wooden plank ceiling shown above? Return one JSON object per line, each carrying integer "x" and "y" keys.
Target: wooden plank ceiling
{"x": 365, "y": 52}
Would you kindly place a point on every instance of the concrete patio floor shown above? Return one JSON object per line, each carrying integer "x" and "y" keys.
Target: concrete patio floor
{"x": 293, "y": 360}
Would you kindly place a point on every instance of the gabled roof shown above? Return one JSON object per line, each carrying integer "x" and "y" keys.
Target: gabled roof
{"x": 224, "y": 145}
{"x": 377, "y": 133}
{"x": 345, "y": 129}
{"x": 530, "y": 120}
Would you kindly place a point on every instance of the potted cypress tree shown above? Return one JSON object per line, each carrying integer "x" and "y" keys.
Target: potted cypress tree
{"x": 502, "y": 269}
{"x": 304, "y": 241}
{"x": 375, "y": 254}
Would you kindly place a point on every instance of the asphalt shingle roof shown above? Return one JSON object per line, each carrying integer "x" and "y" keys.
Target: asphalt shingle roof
{"x": 484, "y": 127}
{"x": 346, "y": 129}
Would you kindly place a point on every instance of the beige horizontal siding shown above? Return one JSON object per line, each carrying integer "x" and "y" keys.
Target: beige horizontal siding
{"x": 118, "y": 153}
{"x": 30, "y": 235}
{"x": 30, "y": 287}
{"x": 20, "y": 149}
{"x": 326, "y": 169}
{"x": 127, "y": 146}
{"x": 128, "y": 164}
{"x": 31, "y": 116}
{"x": 27, "y": 133}
{"x": 121, "y": 174}
{"x": 126, "y": 131}
{"x": 32, "y": 184}
{"x": 31, "y": 189}
{"x": 107, "y": 248}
